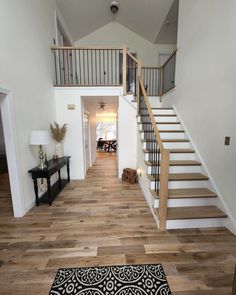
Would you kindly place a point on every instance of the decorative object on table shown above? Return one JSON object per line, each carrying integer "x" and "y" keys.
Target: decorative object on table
{"x": 129, "y": 175}
{"x": 124, "y": 279}
{"x": 58, "y": 134}
{"x": 40, "y": 138}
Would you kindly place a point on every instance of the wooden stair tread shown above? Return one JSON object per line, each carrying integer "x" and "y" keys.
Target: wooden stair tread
{"x": 191, "y": 193}
{"x": 183, "y": 177}
{"x": 161, "y": 123}
{"x": 171, "y": 131}
{"x": 187, "y": 193}
{"x": 159, "y": 115}
{"x": 172, "y": 151}
{"x": 164, "y": 131}
{"x": 195, "y": 212}
{"x": 167, "y": 140}
{"x": 180, "y": 151}
{"x": 158, "y": 108}
{"x": 177, "y": 163}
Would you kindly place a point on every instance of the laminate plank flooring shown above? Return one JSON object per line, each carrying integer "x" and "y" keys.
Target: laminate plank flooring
{"x": 104, "y": 221}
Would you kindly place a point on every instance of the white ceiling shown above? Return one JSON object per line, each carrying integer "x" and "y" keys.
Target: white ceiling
{"x": 142, "y": 17}
{"x": 91, "y": 103}
{"x": 168, "y": 32}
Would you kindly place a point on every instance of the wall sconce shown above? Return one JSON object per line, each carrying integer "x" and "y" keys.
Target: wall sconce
{"x": 40, "y": 138}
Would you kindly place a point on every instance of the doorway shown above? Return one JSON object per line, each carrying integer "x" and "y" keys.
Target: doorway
{"x": 10, "y": 175}
{"x": 87, "y": 150}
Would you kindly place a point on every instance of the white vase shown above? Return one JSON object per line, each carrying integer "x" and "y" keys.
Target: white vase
{"x": 59, "y": 150}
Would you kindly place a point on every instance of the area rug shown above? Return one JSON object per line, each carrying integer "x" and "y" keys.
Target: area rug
{"x": 146, "y": 279}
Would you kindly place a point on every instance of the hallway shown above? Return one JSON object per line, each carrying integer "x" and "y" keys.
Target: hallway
{"x": 104, "y": 221}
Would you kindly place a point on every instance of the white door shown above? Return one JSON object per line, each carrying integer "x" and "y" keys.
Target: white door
{"x": 87, "y": 141}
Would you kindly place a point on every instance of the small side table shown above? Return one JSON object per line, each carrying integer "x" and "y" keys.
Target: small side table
{"x": 54, "y": 166}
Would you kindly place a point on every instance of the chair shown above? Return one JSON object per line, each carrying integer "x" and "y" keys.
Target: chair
{"x": 100, "y": 144}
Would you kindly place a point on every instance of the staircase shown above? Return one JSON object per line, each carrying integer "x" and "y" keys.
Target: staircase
{"x": 191, "y": 197}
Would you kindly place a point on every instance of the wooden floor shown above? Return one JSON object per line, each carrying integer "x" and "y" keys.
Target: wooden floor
{"x": 104, "y": 221}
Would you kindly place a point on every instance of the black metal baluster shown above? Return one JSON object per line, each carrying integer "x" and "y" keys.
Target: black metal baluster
{"x": 91, "y": 56}
{"x": 104, "y": 72}
{"x": 59, "y": 60}
{"x": 55, "y": 64}
{"x": 96, "y": 71}
{"x": 100, "y": 66}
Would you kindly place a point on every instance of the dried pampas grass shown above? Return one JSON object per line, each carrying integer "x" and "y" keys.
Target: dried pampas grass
{"x": 58, "y": 133}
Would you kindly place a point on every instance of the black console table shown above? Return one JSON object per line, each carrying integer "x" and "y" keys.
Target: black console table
{"x": 54, "y": 166}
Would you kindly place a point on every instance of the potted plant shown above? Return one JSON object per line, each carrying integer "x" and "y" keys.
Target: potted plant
{"x": 58, "y": 134}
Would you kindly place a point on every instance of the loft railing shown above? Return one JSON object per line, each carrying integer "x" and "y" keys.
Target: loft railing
{"x": 93, "y": 66}
{"x": 159, "y": 157}
{"x": 110, "y": 66}
{"x": 168, "y": 74}
{"x": 152, "y": 78}
{"x": 96, "y": 66}
{"x": 159, "y": 80}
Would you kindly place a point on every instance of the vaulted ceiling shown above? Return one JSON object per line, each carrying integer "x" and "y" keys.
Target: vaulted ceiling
{"x": 142, "y": 17}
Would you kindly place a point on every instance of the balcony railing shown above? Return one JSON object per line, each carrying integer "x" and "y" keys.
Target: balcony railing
{"x": 95, "y": 66}
{"x": 110, "y": 66}
{"x": 159, "y": 80}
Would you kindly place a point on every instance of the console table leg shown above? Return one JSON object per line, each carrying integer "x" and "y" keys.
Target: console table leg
{"x": 68, "y": 172}
{"x": 36, "y": 192}
{"x": 49, "y": 191}
{"x": 59, "y": 178}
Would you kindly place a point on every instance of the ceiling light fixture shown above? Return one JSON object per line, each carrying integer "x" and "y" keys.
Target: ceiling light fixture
{"x": 114, "y": 7}
{"x": 102, "y": 106}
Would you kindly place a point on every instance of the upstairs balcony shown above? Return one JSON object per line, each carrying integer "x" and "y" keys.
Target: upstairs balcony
{"x": 110, "y": 66}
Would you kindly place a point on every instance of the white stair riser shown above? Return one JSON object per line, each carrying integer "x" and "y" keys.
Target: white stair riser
{"x": 166, "y": 119}
{"x": 182, "y": 156}
{"x": 177, "y": 145}
{"x": 189, "y": 156}
{"x": 180, "y": 169}
{"x": 167, "y": 135}
{"x": 161, "y": 127}
{"x": 184, "y": 184}
{"x": 188, "y": 202}
{"x": 170, "y": 145}
{"x": 173, "y": 135}
{"x": 161, "y": 119}
{"x": 195, "y": 223}
{"x": 163, "y": 112}
{"x": 169, "y": 127}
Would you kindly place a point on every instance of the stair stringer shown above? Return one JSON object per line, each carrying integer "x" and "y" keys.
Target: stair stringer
{"x": 230, "y": 222}
{"x": 143, "y": 179}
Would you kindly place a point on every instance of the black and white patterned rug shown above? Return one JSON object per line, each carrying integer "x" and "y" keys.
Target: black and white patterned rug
{"x": 146, "y": 279}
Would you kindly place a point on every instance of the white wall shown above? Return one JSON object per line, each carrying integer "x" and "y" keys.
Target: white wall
{"x": 2, "y": 143}
{"x": 114, "y": 34}
{"x": 127, "y": 135}
{"x": 27, "y": 29}
{"x": 205, "y": 91}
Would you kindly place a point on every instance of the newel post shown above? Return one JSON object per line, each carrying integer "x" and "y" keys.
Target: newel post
{"x": 124, "y": 69}
{"x": 163, "y": 193}
{"x": 137, "y": 84}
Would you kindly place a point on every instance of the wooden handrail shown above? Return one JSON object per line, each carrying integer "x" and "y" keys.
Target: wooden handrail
{"x": 172, "y": 54}
{"x": 164, "y": 164}
{"x": 86, "y": 47}
{"x": 131, "y": 56}
{"x": 155, "y": 128}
